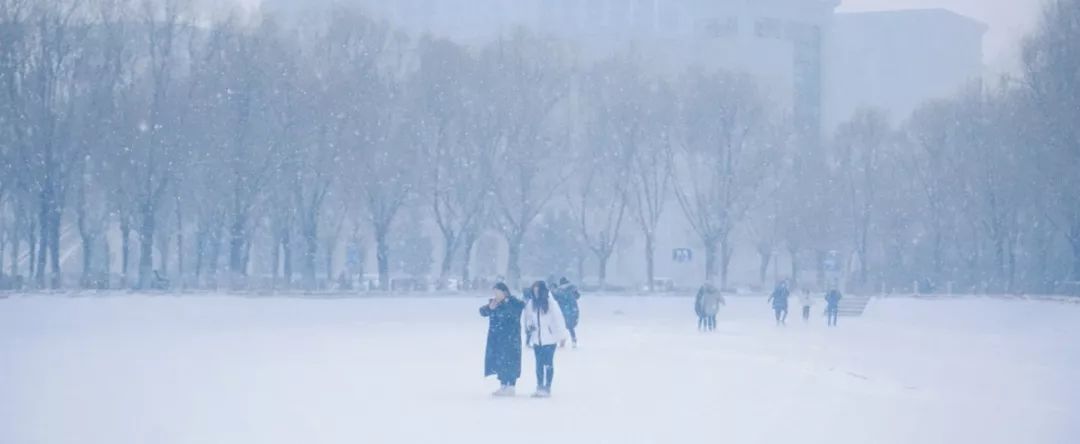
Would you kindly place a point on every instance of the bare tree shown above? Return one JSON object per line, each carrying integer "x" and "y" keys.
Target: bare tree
{"x": 459, "y": 170}
{"x": 719, "y": 165}
{"x": 530, "y": 83}
{"x": 1050, "y": 58}
{"x": 860, "y": 144}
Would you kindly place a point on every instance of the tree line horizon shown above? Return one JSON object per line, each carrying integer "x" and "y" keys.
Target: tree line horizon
{"x": 219, "y": 144}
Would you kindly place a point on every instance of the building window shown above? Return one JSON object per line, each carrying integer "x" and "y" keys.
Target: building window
{"x": 722, "y": 27}
{"x": 769, "y": 28}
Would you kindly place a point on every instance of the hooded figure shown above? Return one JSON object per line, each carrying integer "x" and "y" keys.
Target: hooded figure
{"x": 567, "y": 295}
{"x": 503, "y": 354}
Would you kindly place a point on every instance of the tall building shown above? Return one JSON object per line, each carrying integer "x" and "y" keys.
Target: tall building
{"x": 896, "y": 60}
{"x": 780, "y": 42}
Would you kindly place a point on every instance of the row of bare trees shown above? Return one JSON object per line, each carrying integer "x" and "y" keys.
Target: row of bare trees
{"x": 242, "y": 147}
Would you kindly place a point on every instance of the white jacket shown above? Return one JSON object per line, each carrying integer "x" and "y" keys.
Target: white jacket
{"x": 544, "y": 328}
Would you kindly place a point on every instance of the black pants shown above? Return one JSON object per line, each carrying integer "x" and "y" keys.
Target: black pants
{"x": 806, "y": 312}
{"x": 545, "y": 365}
{"x": 832, "y": 314}
{"x": 781, "y": 314}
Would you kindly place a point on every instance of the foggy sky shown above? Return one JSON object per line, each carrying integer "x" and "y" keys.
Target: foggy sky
{"x": 1009, "y": 21}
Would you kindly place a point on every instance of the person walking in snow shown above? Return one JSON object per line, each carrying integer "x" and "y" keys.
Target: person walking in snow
{"x": 710, "y": 300}
{"x": 806, "y": 301}
{"x": 832, "y": 306}
{"x": 545, "y": 329}
{"x": 699, "y": 309}
{"x": 779, "y": 300}
{"x": 567, "y": 296}
{"x": 503, "y": 355}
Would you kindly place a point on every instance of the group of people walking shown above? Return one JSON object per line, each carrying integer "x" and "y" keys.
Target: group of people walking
{"x": 545, "y": 325}
{"x": 709, "y": 299}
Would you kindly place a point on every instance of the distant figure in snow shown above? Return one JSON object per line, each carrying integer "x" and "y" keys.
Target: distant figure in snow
{"x": 699, "y": 309}
{"x": 832, "y": 306}
{"x": 567, "y": 296}
{"x": 708, "y": 302}
{"x": 545, "y": 329}
{"x": 503, "y": 355}
{"x": 806, "y": 301}
{"x": 779, "y": 299}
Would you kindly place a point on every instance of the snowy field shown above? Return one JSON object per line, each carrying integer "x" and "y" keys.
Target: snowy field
{"x": 231, "y": 370}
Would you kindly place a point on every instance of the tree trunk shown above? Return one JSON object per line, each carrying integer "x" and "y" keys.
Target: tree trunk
{"x": 726, "y": 252}
{"x": 287, "y": 259}
{"x": 650, "y": 266}
{"x": 449, "y": 247}
{"x": 382, "y": 257}
{"x": 939, "y": 261}
{"x": 88, "y": 279}
{"x": 125, "y": 253}
{"x": 43, "y": 242}
{"x": 56, "y": 280}
{"x": 16, "y": 238}
{"x": 710, "y": 259}
{"x": 275, "y": 259}
{"x": 794, "y": 267}
{"x": 237, "y": 249}
{"x": 180, "y": 245}
{"x": 466, "y": 261}
{"x": 1075, "y": 241}
{"x": 146, "y": 246}
{"x": 214, "y": 256}
{"x": 864, "y": 261}
{"x": 513, "y": 268}
{"x": 602, "y": 269}
{"x": 200, "y": 253}
{"x": 311, "y": 250}
{"x": 763, "y": 267}
{"x": 33, "y": 251}
{"x": 330, "y": 262}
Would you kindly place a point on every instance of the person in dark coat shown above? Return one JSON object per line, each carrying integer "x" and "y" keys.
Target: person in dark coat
{"x": 567, "y": 296}
{"x": 503, "y": 355}
{"x": 709, "y": 299}
{"x": 832, "y": 306}
{"x": 779, "y": 300}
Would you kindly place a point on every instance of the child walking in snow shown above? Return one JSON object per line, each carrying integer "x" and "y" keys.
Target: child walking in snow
{"x": 807, "y": 301}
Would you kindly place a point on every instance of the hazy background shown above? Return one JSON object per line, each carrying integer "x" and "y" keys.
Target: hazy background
{"x": 1008, "y": 20}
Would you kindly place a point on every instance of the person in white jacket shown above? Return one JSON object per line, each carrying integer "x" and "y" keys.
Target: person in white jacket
{"x": 544, "y": 328}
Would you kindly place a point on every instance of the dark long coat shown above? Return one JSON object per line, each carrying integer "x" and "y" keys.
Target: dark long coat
{"x": 567, "y": 296}
{"x": 503, "y": 355}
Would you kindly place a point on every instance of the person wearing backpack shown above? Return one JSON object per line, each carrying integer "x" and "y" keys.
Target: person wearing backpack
{"x": 567, "y": 295}
{"x": 779, "y": 299}
{"x": 503, "y": 354}
{"x": 545, "y": 330}
{"x": 832, "y": 306}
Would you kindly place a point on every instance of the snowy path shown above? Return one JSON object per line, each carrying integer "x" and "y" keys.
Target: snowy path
{"x": 232, "y": 370}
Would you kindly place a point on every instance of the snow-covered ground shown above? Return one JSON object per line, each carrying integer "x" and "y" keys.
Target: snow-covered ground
{"x": 198, "y": 369}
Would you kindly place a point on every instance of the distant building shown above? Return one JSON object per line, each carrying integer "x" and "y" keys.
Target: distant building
{"x": 896, "y": 60}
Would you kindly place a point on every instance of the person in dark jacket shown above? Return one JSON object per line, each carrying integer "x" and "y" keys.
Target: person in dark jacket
{"x": 503, "y": 355}
{"x": 779, "y": 299}
{"x": 699, "y": 309}
{"x": 567, "y": 296}
{"x": 708, "y": 301}
{"x": 832, "y": 306}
